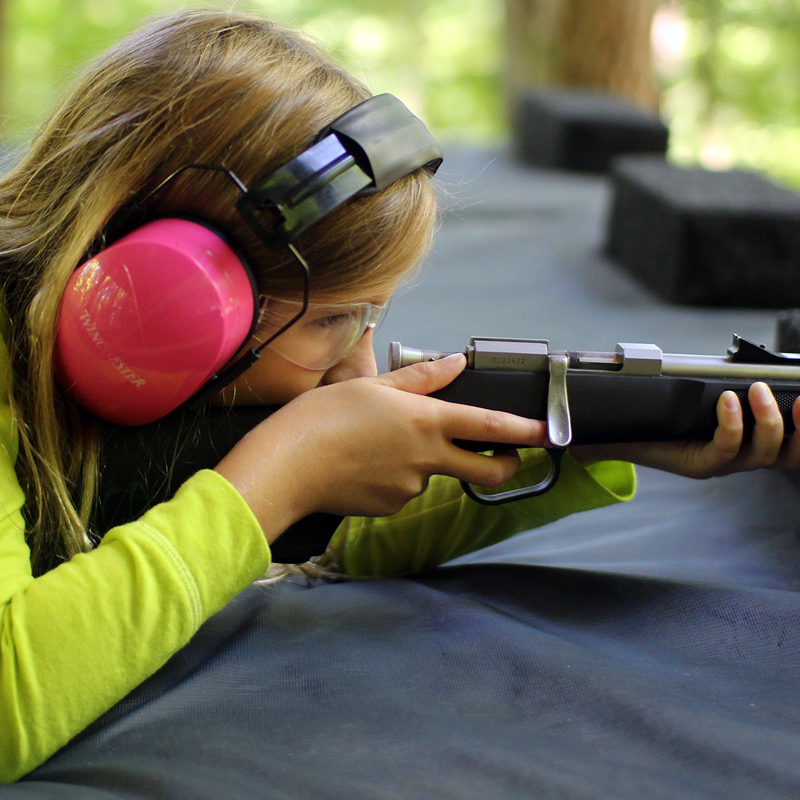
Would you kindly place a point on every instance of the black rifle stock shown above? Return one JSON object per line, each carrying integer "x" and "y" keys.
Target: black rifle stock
{"x": 636, "y": 393}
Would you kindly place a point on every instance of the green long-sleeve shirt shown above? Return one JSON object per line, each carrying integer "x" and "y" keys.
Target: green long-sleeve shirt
{"x": 76, "y": 640}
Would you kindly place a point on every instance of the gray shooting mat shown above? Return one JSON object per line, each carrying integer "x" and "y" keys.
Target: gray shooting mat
{"x": 645, "y": 650}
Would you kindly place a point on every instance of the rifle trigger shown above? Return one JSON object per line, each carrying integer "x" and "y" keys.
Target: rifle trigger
{"x": 559, "y": 425}
{"x": 498, "y": 498}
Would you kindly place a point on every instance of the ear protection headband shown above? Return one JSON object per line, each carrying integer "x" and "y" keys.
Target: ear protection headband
{"x": 149, "y": 322}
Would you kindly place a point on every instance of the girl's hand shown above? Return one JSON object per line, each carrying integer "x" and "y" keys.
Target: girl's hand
{"x": 726, "y": 452}
{"x": 367, "y": 446}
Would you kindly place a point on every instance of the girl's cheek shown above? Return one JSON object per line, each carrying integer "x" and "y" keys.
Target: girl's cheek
{"x": 272, "y": 380}
{"x": 358, "y": 363}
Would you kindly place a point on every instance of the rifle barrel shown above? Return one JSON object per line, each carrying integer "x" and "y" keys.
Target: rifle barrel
{"x": 693, "y": 366}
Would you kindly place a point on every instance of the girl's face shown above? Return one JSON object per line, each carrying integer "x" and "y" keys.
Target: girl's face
{"x": 276, "y": 379}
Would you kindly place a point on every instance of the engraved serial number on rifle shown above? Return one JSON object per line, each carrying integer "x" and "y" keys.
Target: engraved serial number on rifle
{"x": 509, "y": 360}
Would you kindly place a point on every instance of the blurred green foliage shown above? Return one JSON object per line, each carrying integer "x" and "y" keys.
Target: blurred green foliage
{"x": 440, "y": 56}
{"x": 732, "y": 84}
{"x": 729, "y": 69}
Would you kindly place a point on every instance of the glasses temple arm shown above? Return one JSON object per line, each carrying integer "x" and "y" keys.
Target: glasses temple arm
{"x": 218, "y": 382}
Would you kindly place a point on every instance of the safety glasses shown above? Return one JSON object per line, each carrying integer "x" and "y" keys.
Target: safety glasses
{"x": 320, "y": 336}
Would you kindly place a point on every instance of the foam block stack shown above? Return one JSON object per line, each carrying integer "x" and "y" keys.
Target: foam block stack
{"x": 582, "y": 130}
{"x": 705, "y": 238}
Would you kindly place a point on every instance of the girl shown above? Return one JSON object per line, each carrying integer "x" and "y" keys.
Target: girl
{"x": 85, "y": 616}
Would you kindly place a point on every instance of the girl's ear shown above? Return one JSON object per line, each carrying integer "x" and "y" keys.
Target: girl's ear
{"x": 147, "y": 321}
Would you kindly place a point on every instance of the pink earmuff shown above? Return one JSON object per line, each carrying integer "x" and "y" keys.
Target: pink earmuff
{"x": 147, "y": 321}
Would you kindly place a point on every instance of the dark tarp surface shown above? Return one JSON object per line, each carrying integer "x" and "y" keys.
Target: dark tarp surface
{"x": 646, "y": 650}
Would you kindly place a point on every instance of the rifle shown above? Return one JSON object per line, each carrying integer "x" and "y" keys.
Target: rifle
{"x": 637, "y": 393}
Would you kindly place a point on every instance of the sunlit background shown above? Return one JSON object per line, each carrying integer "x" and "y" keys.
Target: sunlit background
{"x": 728, "y": 71}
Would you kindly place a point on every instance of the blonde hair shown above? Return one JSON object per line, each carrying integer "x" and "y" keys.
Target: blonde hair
{"x": 207, "y": 86}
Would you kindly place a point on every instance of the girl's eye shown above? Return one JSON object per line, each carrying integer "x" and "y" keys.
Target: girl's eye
{"x": 332, "y": 321}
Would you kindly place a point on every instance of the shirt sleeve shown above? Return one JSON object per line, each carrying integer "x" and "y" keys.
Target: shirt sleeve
{"x": 443, "y": 523}
{"x": 77, "y": 639}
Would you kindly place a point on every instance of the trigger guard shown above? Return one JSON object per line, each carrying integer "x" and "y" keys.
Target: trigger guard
{"x": 555, "y": 454}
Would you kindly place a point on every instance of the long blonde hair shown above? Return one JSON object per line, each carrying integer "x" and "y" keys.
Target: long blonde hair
{"x": 197, "y": 86}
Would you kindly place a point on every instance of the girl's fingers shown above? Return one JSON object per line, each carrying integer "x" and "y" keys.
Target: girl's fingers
{"x": 727, "y": 439}
{"x": 483, "y": 425}
{"x": 426, "y": 377}
{"x": 457, "y": 421}
{"x": 768, "y": 431}
{"x": 484, "y": 470}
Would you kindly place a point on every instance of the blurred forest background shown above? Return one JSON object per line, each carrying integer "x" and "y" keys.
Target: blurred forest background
{"x": 725, "y": 74}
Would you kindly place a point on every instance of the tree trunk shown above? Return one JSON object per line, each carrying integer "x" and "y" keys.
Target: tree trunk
{"x": 591, "y": 44}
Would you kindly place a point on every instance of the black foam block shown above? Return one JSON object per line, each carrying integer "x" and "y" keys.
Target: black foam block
{"x": 705, "y": 238}
{"x": 582, "y": 130}
{"x": 787, "y": 331}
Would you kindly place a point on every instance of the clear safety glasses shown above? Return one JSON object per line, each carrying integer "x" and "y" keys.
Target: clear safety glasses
{"x": 322, "y": 336}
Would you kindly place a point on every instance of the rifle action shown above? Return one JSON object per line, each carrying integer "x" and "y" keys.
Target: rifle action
{"x": 637, "y": 393}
